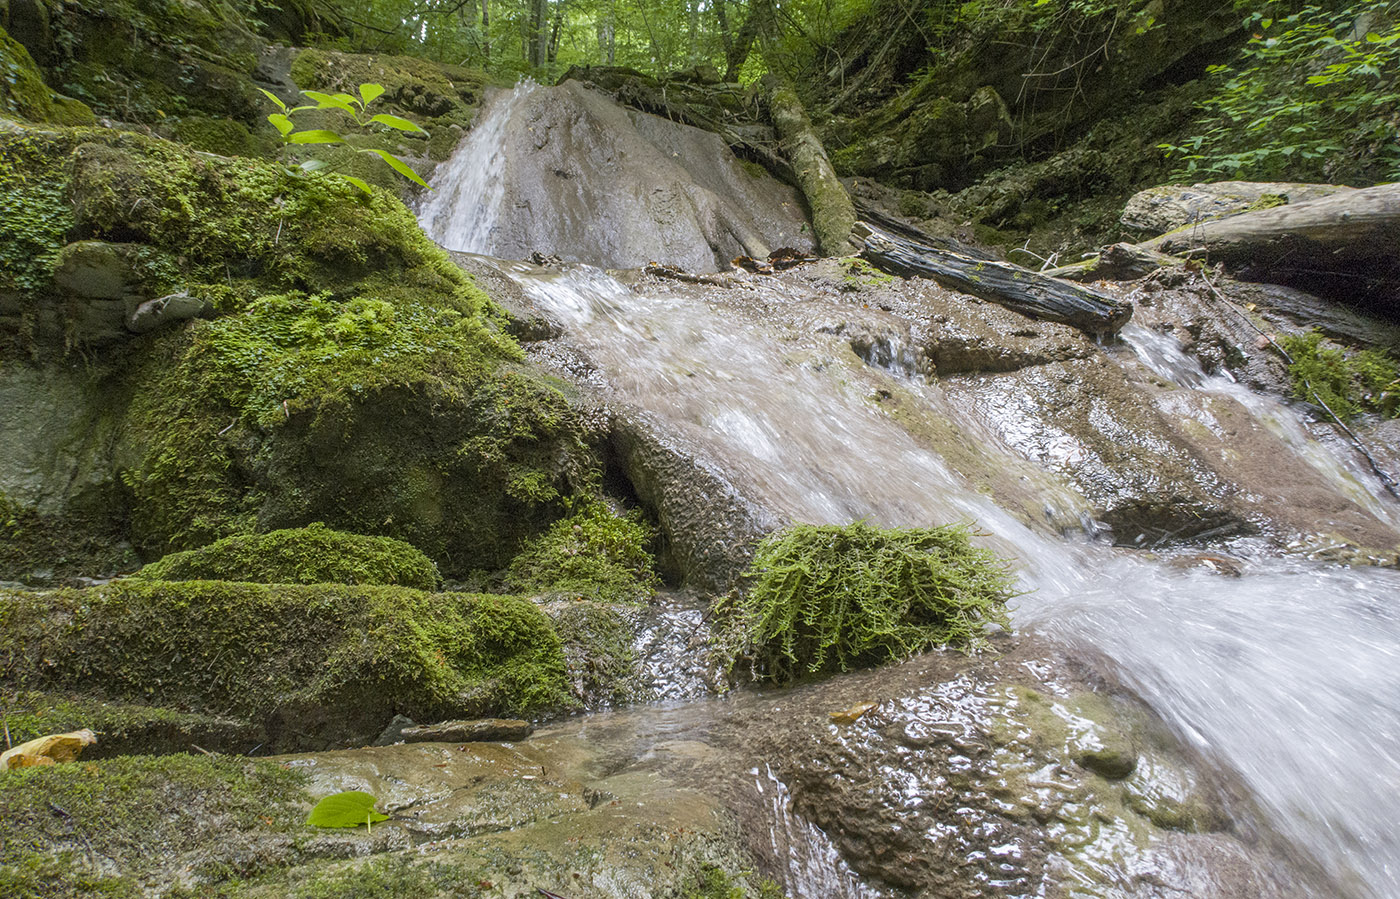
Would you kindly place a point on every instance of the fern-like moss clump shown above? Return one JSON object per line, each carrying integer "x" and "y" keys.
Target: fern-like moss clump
{"x": 826, "y": 598}
{"x": 310, "y": 555}
{"x": 594, "y": 553}
{"x": 1349, "y": 384}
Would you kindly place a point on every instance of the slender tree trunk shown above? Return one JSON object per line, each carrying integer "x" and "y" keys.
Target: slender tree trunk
{"x": 693, "y": 55}
{"x": 486, "y": 29}
{"x": 726, "y": 38}
{"x": 555, "y": 29}
{"x": 607, "y": 33}
{"x": 759, "y": 25}
{"x": 537, "y": 40}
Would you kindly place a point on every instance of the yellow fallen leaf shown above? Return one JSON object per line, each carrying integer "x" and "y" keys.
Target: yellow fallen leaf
{"x": 54, "y": 747}
{"x": 853, "y": 714}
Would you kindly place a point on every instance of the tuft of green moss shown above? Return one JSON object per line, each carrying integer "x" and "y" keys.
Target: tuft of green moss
{"x": 713, "y": 882}
{"x": 826, "y": 598}
{"x": 314, "y": 554}
{"x": 315, "y": 665}
{"x": 1349, "y": 383}
{"x": 101, "y": 828}
{"x": 594, "y": 553}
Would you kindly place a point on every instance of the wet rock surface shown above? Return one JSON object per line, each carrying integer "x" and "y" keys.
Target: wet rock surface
{"x": 585, "y": 179}
{"x": 1166, "y": 208}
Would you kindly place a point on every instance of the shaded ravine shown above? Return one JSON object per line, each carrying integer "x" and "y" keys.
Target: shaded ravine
{"x": 1287, "y": 676}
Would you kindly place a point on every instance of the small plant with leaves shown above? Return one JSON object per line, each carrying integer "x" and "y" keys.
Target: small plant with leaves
{"x": 826, "y": 598}
{"x": 349, "y": 809}
{"x": 358, "y": 110}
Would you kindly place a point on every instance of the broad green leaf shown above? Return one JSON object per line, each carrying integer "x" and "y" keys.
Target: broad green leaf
{"x": 332, "y": 101}
{"x": 394, "y": 121}
{"x": 358, "y": 183}
{"x": 313, "y": 165}
{"x": 281, "y": 123}
{"x": 348, "y": 809}
{"x": 399, "y": 166}
{"x": 273, "y": 97}
{"x": 316, "y": 136}
{"x": 370, "y": 92}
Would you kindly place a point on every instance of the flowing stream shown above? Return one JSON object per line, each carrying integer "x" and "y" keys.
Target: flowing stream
{"x": 1287, "y": 676}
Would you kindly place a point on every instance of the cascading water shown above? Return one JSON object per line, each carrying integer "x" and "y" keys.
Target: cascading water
{"x": 1288, "y": 675}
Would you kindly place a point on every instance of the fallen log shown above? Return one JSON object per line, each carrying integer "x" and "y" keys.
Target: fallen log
{"x": 830, "y": 205}
{"x": 1351, "y": 239}
{"x": 1023, "y": 290}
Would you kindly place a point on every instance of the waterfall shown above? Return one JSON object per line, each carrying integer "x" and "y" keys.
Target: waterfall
{"x": 1288, "y": 675}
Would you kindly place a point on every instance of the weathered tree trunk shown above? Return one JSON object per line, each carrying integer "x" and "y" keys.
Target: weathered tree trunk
{"x": 832, "y": 211}
{"x": 1354, "y": 233}
{"x": 1016, "y": 288}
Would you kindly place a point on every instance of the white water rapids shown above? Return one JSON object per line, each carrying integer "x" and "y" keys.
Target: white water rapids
{"x": 1288, "y": 675}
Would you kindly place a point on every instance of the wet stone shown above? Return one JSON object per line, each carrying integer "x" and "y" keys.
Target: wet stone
{"x": 479, "y": 730}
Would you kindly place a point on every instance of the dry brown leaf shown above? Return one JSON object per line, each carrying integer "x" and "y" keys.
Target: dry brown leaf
{"x": 54, "y": 748}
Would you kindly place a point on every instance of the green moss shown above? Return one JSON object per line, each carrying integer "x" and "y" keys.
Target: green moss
{"x": 34, "y": 218}
{"x": 860, "y": 274}
{"x": 123, "y": 728}
{"x": 383, "y": 876}
{"x": 226, "y": 137}
{"x": 598, "y": 650}
{"x": 713, "y": 882}
{"x": 310, "y": 555}
{"x": 39, "y": 548}
{"x": 1348, "y": 383}
{"x": 101, "y": 828}
{"x": 836, "y": 597}
{"x": 594, "y": 553}
{"x": 23, "y": 92}
{"x": 316, "y": 665}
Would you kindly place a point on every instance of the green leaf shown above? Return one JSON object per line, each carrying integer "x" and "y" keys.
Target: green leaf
{"x": 273, "y": 97}
{"x": 349, "y": 809}
{"x": 281, "y": 123}
{"x": 313, "y": 165}
{"x": 394, "y": 121}
{"x": 369, "y": 92}
{"x": 358, "y": 183}
{"x": 399, "y": 166}
{"x": 316, "y": 136}
{"x": 333, "y": 101}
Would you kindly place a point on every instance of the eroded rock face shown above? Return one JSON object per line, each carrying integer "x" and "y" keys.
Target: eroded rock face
{"x": 578, "y": 176}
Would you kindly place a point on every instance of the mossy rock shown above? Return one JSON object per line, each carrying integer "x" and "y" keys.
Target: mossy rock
{"x": 149, "y": 61}
{"x": 355, "y": 375}
{"x": 136, "y": 814}
{"x": 599, "y": 651}
{"x": 310, "y": 555}
{"x": 23, "y": 92}
{"x": 316, "y": 666}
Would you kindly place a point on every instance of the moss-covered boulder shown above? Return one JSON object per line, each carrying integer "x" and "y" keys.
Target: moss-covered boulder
{"x": 125, "y": 728}
{"x": 315, "y": 666}
{"x": 311, "y": 555}
{"x": 23, "y": 92}
{"x": 349, "y": 373}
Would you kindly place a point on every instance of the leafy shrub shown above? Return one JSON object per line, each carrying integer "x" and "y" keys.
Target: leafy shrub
{"x": 824, "y": 598}
{"x": 1367, "y": 381}
{"x": 594, "y": 553}
{"x": 1308, "y": 99}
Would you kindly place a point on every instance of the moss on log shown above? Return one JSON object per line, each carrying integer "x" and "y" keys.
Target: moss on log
{"x": 833, "y": 214}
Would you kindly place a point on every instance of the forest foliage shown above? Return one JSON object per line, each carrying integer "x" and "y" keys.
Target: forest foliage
{"x": 1308, "y": 93}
